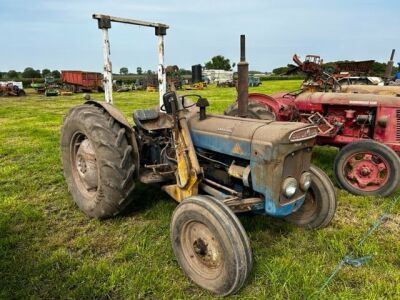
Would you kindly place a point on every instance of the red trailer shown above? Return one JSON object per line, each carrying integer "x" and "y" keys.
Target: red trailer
{"x": 80, "y": 81}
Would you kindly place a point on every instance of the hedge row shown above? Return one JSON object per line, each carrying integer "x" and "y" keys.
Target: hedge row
{"x": 128, "y": 79}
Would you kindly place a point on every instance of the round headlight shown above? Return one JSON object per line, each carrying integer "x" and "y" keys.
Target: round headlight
{"x": 289, "y": 187}
{"x": 305, "y": 181}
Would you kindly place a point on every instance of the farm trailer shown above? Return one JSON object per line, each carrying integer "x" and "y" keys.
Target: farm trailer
{"x": 80, "y": 81}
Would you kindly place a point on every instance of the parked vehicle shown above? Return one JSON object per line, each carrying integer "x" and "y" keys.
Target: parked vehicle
{"x": 80, "y": 81}
{"x": 365, "y": 127}
{"x": 213, "y": 165}
{"x": 11, "y": 88}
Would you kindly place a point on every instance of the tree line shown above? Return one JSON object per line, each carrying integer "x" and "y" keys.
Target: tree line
{"x": 30, "y": 72}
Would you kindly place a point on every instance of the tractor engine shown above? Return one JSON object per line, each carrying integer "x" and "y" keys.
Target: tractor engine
{"x": 341, "y": 120}
{"x": 256, "y": 158}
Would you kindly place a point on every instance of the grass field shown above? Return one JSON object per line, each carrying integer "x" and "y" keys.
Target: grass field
{"x": 49, "y": 249}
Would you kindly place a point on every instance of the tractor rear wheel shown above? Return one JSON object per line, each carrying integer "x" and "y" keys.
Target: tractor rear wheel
{"x": 97, "y": 160}
{"x": 319, "y": 205}
{"x": 210, "y": 245}
{"x": 367, "y": 168}
{"x": 254, "y": 111}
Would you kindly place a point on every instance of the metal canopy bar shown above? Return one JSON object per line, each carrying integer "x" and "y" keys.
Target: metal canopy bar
{"x": 130, "y": 21}
{"x": 104, "y": 23}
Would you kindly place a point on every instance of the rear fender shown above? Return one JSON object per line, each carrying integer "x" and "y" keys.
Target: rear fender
{"x": 266, "y": 100}
{"x": 130, "y": 131}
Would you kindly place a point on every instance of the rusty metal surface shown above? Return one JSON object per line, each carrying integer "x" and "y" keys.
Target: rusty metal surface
{"x": 355, "y": 67}
{"x": 162, "y": 121}
{"x": 130, "y": 21}
{"x": 107, "y": 67}
{"x": 243, "y": 205}
{"x": 389, "y": 67}
{"x": 372, "y": 89}
{"x": 295, "y": 164}
{"x": 104, "y": 23}
{"x": 188, "y": 173}
{"x": 369, "y": 100}
{"x": 243, "y": 77}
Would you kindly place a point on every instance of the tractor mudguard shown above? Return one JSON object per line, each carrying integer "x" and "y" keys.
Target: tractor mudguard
{"x": 266, "y": 100}
{"x": 113, "y": 111}
{"x": 130, "y": 131}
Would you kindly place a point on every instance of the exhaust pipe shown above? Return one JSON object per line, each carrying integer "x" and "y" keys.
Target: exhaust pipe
{"x": 389, "y": 68}
{"x": 243, "y": 77}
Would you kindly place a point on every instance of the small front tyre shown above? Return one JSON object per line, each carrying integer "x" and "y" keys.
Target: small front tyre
{"x": 319, "y": 205}
{"x": 210, "y": 245}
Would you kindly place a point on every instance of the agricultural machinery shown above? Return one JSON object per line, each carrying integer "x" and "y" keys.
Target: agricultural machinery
{"x": 344, "y": 77}
{"x": 12, "y": 88}
{"x": 81, "y": 81}
{"x": 366, "y": 128}
{"x": 213, "y": 165}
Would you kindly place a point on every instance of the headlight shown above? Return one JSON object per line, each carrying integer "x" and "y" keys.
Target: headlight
{"x": 305, "y": 181}
{"x": 303, "y": 134}
{"x": 289, "y": 187}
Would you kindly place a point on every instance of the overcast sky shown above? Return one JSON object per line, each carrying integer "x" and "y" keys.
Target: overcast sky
{"x": 61, "y": 34}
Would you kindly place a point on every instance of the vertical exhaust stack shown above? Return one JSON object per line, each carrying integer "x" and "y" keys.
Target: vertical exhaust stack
{"x": 243, "y": 77}
{"x": 389, "y": 68}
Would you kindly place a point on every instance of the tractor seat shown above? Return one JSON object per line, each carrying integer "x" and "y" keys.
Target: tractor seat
{"x": 151, "y": 119}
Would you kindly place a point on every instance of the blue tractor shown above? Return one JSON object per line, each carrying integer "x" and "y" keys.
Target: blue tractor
{"x": 214, "y": 166}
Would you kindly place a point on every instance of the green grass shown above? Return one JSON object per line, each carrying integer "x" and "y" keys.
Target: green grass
{"x": 49, "y": 249}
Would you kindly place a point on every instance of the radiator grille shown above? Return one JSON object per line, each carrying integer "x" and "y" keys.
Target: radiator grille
{"x": 398, "y": 125}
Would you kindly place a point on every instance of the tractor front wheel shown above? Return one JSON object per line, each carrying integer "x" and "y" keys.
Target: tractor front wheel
{"x": 319, "y": 204}
{"x": 97, "y": 160}
{"x": 367, "y": 168}
{"x": 211, "y": 245}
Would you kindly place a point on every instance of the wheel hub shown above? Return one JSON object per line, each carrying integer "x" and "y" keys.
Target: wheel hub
{"x": 202, "y": 249}
{"x": 86, "y": 165}
{"x": 367, "y": 171}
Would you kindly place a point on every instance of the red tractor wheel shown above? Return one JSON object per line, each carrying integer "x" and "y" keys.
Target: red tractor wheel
{"x": 367, "y": 168}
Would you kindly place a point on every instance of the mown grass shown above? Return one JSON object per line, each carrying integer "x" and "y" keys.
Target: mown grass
{"x": 49, "y": 249}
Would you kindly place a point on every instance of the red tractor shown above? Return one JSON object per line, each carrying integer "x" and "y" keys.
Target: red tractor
{"x": 365, "y": 127}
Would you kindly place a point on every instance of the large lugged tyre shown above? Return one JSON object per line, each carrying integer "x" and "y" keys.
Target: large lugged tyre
{"x": 319, "y": 205}
{"x": 254, "y": 111}
{"x": 210, "y": 245}
{"x": 97, "y": 160}
{"x": 367, "y": 168}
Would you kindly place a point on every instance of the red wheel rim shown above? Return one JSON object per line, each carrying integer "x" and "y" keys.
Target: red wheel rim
{"x": 366, "y": 171}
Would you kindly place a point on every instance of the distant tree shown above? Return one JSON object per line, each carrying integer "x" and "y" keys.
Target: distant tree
{"x": 124, "y": 71}
{"x": 45, "y": 72}
{"x": 139, "y": 71}
{"x": 56, "y": 74}
{"x": 255, "y": 72}
{"x": 12, "y": 74}
{"x": 280, "y": 70}
{"x": 30, "y": 73}
{"x": 150, "y": 72}
{"x": 219, "y": 62}
{"x": 185, "y": 72}
{"x": 378, "y": 69}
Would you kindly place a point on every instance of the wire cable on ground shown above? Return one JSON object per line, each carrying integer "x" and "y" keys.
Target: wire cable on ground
{"x": 349, "y": 257}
